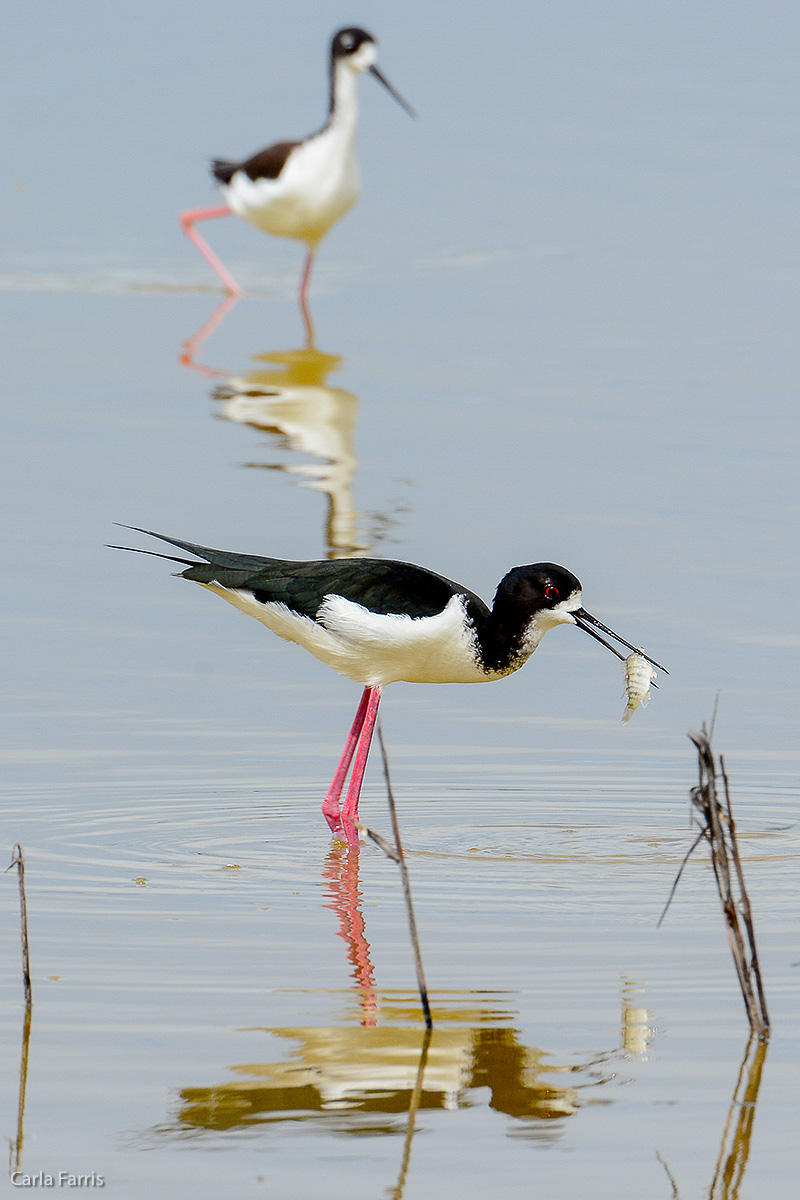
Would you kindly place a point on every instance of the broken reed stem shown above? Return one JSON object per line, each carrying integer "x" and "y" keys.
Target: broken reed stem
{"x": 747, "y": 912}
{"x": 387, "y": 847}
{"x": 395, "y": 852}
{"x": 18, "y": 861}
{"x": 719, "y": 831}
{"x": 705, "y": 800}
{"x": 678, "y": 877}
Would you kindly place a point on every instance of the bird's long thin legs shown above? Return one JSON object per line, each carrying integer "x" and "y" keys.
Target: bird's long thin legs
{"x": 345, "y": 820}
{"x": 301, "y": 296}
{"x": 330, "y": 805}
{"x": 350, "y": 806}
{"x": 202, "y": 214}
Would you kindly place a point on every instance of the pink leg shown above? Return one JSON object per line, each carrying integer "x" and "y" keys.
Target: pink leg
{"x": 306, "y": 315}
{"x": 350, "y": 808}
{"x": 330, "y": 805}
{"x": 201, "y": 214}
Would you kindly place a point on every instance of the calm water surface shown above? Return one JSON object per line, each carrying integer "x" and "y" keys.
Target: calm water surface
{"x": 561, "y": 324}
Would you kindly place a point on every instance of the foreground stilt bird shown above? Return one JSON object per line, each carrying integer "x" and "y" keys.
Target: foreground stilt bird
{"x": 300, "y": 189}
{"x": 378, "y": 622}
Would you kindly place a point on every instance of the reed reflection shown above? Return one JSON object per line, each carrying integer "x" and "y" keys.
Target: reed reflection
{"x": 15, "y": 1144}
{"x": 734, "y": 1150}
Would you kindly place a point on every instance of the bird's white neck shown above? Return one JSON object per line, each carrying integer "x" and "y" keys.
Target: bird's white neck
{"x": 344, "y": 97}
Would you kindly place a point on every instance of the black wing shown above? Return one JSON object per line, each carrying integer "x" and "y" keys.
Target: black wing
{"x": 380, "y": 585}
{"x": 267, "y": 164}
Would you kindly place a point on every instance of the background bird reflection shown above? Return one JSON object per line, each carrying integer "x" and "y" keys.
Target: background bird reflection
{"x": 362, "y": 1077}
{"x": 294, "y": 401}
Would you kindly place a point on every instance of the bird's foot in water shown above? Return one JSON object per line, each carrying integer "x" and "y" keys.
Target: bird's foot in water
{"x": 344, "y": 830}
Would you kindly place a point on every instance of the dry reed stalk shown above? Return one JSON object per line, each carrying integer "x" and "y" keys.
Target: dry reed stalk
{"x": 18, "y": 861}
{"x": 717, "y": 828}
{"x": 395, "y": 852}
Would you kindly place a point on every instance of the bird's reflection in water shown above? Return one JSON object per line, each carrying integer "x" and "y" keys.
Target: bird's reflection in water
{"x": 360, "y": 1077}
{"x": 341, "y": 875}
{"x": 369, "y": 1078}
{"x": 636, "y": 1030}
{"x": 293, "y": 400}
{"x": 191, "y": 347}
{"x": 365, "y": 1079}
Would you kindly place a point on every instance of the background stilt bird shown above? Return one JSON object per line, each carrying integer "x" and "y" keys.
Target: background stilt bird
{"x": 300, "y": 189}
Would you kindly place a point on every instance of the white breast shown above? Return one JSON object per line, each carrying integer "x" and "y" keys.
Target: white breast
{"x": 317, "y": 186}
{"x": 372, "y": 648}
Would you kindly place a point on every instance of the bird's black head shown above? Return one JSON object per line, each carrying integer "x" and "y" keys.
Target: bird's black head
{"x": 528, "y": 601}
{"x": 543, "y": 589}
{"x": 349, "y": 41}
{"x": 531, "y": 600}
{"x": 358, "y": 49}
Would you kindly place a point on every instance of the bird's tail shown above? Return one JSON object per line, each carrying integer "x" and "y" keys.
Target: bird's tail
{"x": 223, "y": 169}
{"x": 221, "y": 565}
{"x": 185, "y": 562}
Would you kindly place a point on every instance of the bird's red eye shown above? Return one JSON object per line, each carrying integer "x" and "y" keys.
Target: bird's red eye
{"x": 551, "y": 592}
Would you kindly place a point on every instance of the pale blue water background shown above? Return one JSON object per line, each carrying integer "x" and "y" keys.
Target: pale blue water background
{"x": 566, "y": 308}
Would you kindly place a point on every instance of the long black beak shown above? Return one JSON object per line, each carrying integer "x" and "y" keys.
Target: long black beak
{"x": 586, "y": 622}
{"x": 382, "y": 78}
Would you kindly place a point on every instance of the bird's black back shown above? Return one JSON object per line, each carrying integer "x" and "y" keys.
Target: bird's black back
{"x": 381, "y": 585}
{"x": 266, "y": 164}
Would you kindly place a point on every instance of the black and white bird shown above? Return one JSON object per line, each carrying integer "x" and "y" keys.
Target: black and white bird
{"x": 378, "y": 622}
{"x": 300, "y": 189}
